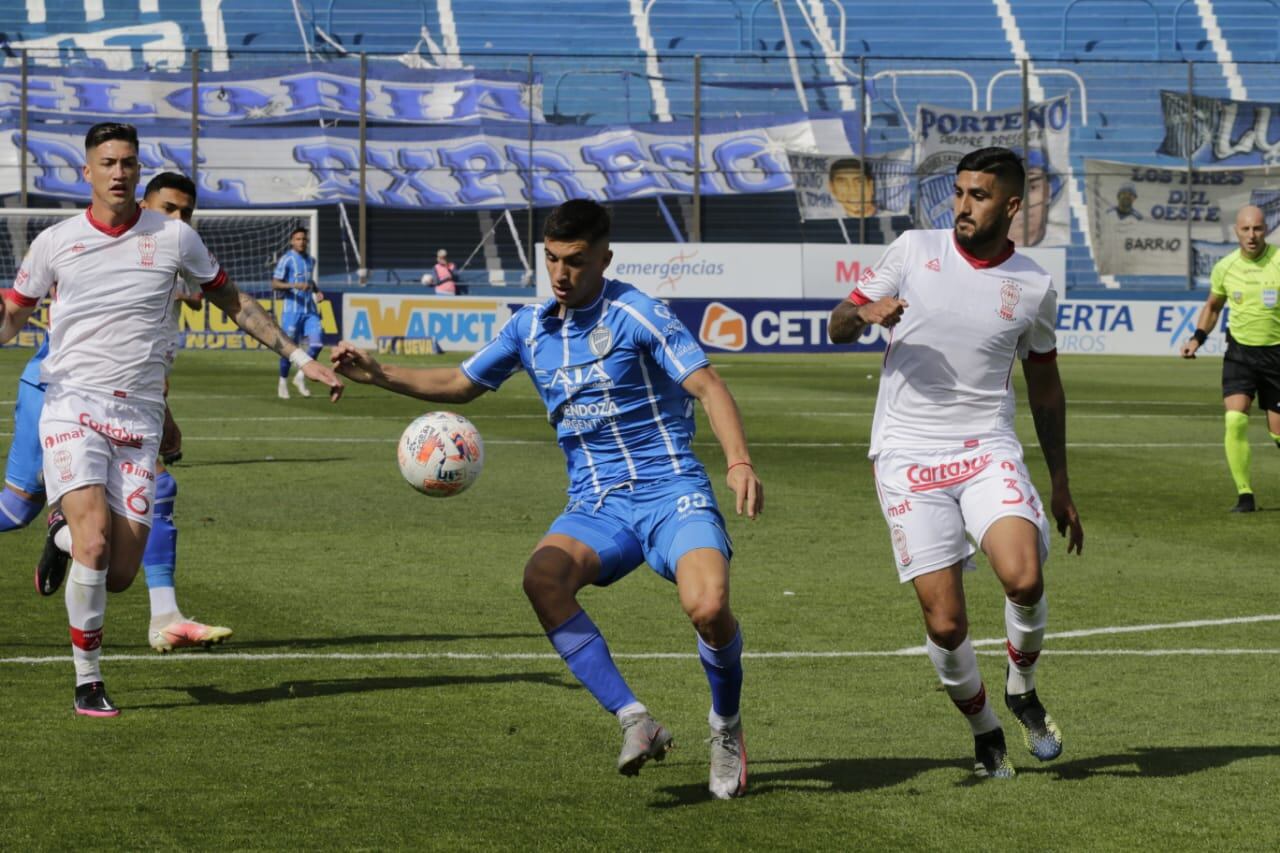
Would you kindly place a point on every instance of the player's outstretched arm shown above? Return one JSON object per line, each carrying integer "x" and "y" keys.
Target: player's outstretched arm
{"x": 437, "y": 384}
{"x": 848, "y": 319}
{"x": 726, "y": 422}
{"x": 246, "y": 313}
{"x": 1049, "y": 411}
{"x": 12, "y": 319}
{"x": 1206, "y": 323}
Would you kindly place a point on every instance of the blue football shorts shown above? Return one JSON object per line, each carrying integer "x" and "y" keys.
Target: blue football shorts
{"x": 25, "y": 467}
{"x": 299, "y": 326}
{"x": 654, "y": 522}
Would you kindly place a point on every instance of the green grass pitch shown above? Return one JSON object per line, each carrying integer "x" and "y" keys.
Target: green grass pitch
{"x": 388, "y": 686}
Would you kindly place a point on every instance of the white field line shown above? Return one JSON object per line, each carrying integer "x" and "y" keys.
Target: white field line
{"x": 796, "y": 655}
{"x": 744, "y": 400}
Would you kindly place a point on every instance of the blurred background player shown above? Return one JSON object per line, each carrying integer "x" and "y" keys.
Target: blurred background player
{"x": 295, "y": 278}
{"x": 618, "y": 374}
{"x": 948, "y": 464}
{"x": 446, "y": 274}
{"x": 174, "y": 195}
{"x": 116, "y": 268}
{"x": 1248, "y": 278}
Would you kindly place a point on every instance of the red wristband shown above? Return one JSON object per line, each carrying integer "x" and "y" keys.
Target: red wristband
{"x": 736, "y": 464}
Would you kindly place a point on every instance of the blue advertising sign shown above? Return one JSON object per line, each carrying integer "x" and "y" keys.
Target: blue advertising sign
{"x": 768, "y": 325}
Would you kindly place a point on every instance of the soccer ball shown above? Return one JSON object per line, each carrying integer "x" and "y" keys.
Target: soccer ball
{"x": 441, "y": 454}
{"x": 428, "y": 279}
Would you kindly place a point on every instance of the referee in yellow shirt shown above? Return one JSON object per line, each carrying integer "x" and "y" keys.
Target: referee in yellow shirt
{"x": 1248, "y": 279}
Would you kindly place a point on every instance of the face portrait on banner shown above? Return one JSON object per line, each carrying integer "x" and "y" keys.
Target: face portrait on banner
{"x": 843, "y": 186}
{"x": 851, "y": 184}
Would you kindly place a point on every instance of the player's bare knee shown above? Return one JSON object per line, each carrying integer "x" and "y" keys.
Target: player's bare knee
{"x": 549, "y": 576}
{"x": 1026, "y": 589}
{"x": 711, "y": 617}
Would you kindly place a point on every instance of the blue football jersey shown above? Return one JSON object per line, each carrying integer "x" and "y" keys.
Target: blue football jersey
{"x": 31, "y": 373}
{"x": 609, "y": 375}
{"x": 294, "y": 268}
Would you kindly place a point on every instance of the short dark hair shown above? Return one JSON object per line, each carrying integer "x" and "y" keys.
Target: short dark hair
{"x": 298, "y": 230}
{"x": 577, "y": 219}
{"x": 171, "y": 181}
{"x": 849, "y": 163}
{"x": 106, "y": 131}
{"x": 1001, "y": 162}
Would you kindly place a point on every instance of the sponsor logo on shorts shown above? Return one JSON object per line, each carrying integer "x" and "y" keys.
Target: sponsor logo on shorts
{"x": 138, "y": 471}
{"x": 1010, "y": 293}
{"x": 57, "y": 438}
{"x": 926, "y": 477}
{"x": 147, "y": 249}
{"x": 62, "y": 461}
{"x": 116, "y": 435}
{"x": 900, "y": 509}
{"x": 900, "y": 544}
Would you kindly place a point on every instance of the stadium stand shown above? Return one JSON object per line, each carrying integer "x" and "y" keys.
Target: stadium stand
{"x": 628, "y": 61}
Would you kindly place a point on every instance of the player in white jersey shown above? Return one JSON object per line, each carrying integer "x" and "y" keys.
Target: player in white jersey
{"x": 963, "y": 306}
{"x": 112, "y": 339}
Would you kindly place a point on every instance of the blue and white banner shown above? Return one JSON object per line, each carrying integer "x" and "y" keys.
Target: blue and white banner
{"x": 768, "y": 325}
{"x": 1223, "y": 132}
{"x": 945, "y": 135}
{"x": 294, "y": 93}
{"x": 490, "y": 166}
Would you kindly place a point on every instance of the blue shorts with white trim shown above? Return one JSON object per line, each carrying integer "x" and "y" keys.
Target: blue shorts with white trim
{"x": 657, "y": 522}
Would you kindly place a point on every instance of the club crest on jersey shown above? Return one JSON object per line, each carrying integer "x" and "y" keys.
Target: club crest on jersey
{"x": 935, "y": 265}
{"x": 600, "y": 340}
{"x": 1010, "y": 293}
{"x": 1237, "y": 296}
{"x": 900, "y": 544}
{"x": 1268, "y": 299}
{"x": 661, "y": 309}
{"x": 147, "y": 250}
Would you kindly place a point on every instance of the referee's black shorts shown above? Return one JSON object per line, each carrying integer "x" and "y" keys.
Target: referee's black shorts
{"x": 1254, "y": 371}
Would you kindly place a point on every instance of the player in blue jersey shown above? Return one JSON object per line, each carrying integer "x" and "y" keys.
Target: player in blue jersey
{"x": 618, "y": 374}
{"x": 23, "y": 497}
{"x": 294, "y": 281}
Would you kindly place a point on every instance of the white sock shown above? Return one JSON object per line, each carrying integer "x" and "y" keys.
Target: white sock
{"x": 63, "y": 538}
{"x": 632, "y": 709}
{"x": 86, "y": 597}
{"x": 722, "y": 724}
{"x": 164, "y": 605}
{"x": 1024, "y": 627}
{"x": 958, "y": 671}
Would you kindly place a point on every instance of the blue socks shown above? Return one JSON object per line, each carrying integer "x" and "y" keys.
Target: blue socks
{"x": 579, "y": 642}
{"x": 160, "y": 556}
{"x": 284, "y": 368}
{"x": 16, "y": 512}
{"x": 724, "y": 673}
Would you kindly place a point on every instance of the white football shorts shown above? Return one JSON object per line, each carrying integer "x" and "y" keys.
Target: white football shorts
{"x": 88, "y": 438}
{"x": 939, "y": 504}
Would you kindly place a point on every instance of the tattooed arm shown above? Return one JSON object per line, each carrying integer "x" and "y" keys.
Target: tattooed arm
{"x": 246, "y": 313}
{"x": 1049, "y": 411}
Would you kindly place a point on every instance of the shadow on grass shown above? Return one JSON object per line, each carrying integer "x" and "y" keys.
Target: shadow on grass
{"x": 1154, "y": 762}
{"x": 371, "y": 639}
{"x": 311, "y": 688}
{"x": 851, "y": 775}
{"x": 261, "y": 460}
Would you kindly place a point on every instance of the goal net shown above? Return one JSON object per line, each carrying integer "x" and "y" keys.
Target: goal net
{"x": 246, "y": 242}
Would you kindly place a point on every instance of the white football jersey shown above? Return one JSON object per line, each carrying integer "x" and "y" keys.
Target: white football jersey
{"x": 946, "y": 377}
{"x": 112, "y": 323}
